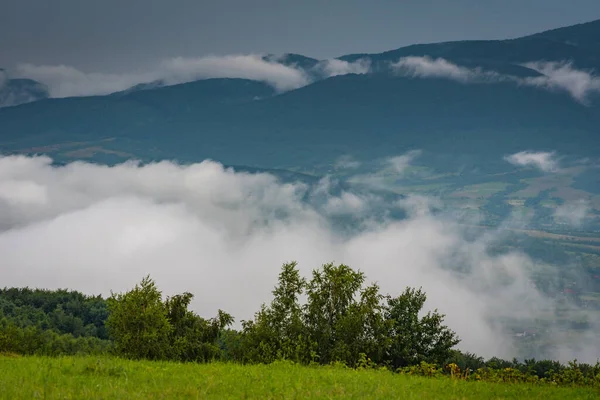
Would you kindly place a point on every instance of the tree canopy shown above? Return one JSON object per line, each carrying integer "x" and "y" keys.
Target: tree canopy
{"x": 344, "y": 320}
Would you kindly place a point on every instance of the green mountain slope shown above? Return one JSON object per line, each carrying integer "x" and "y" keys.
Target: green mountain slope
{"x": 369, "y": 116}
{"x": 578, "y": 44}
{"x": 582, "y": 35}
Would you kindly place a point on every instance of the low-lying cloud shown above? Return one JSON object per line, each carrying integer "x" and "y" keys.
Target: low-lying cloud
{"x": 223, "y": 236}
{"x": 392, "y": 168}
{"x": 562, "y": 76}
{"x": 252, "y": 67}
{"x": 427, "y": 67}
{"x": 66, "y": 81}
{"x": 572, "y": 213}
{"x": 346, "y": 162}
{"x": 544, "y": 161}
{"x": 399, "y": 164}
{"x": 335, "y": 67}
{"x": 555, "y": 75}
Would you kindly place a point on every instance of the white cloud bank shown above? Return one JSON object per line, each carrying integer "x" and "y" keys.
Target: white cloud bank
{"x": 392, "y": 168}
{"x": 555, "y": 75}
{"x": 572, "y": 213}
{"x": 562, "y": 76}
{"x": 346, "y": 162}
{"x": 544, "y": 161}
{"x": 223, "y": 236}
{"x": 66, "y": 81}
{"x": 427, "y": 67}
{"x": 335, "y": 67}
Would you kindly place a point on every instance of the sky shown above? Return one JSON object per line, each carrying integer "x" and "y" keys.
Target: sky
{"x": 107, "y": 36}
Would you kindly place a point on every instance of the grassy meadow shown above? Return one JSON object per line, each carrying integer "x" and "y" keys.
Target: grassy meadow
{"x": 113, "y": 378}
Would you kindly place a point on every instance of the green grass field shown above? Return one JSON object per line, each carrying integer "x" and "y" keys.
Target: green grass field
{"x": 111, "y": 378}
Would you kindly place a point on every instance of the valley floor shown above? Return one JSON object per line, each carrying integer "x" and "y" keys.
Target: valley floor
{"x": 111, "y": 378}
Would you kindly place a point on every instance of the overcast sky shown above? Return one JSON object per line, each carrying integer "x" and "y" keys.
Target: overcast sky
{"x": 119, "y": 35}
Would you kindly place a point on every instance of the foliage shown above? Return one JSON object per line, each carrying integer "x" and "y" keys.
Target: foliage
{"x": 575, "y": 374}
{"x": 277, "y": 331}
{"x": 34, "y": 340}
{"x": 342, "y": 321}
{"x": 422, "y": 369}
{"x": 44, "y": 322}
{"x": 143, "y": 326}
{"x": 465, "y": 361}
{"x": 530, "y": 372}
{"x": 416, "y": 339}
{"x": 138, "y": 322}
{"x": 193, "y": 338}
{"x": 61, "y": 311}
{"x": 342, "y": 318}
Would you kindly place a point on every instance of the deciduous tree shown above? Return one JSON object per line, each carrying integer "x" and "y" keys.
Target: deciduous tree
{"x": 138, "y": 322}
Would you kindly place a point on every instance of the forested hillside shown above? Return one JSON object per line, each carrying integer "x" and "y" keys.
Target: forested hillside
{"x": 52, "y": 322}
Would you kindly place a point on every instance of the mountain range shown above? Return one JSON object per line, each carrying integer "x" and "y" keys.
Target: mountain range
{"x": 464, "y": 105}
{"x": 367, "y": 115}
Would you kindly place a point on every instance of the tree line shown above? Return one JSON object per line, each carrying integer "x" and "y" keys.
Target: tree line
{"x": 342, "y": 321}
{"x": 36, "y": 321}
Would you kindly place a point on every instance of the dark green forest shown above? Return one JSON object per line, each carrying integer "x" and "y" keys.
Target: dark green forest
{"x": 343, "y": 321}
{"x": 36, "y": 321}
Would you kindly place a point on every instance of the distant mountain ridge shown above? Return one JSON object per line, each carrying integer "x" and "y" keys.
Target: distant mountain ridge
{"x": 369, "y": 116}
{"x": 586, "y": 34}
{"x": 577, "y": 43}
{"x": 20, "y": 91}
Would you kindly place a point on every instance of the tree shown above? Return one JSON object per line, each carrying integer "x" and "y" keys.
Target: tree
{"x": 192, "y": 337}
{"x": 138, "y": 322}
{"x": 143, "y": 326}
{"x": 344, "y": 319}
{"x": 286, "y": 314}
{"x": 415, "y": 339}
{"x": 277, "y": 331}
